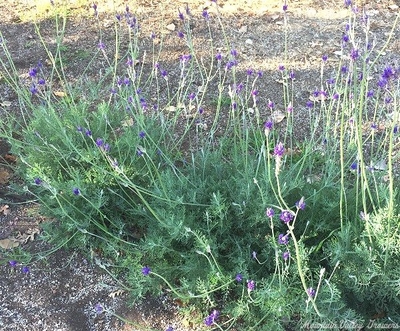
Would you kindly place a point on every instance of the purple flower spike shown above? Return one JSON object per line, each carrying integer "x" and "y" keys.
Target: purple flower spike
{"x": 98, "y": 308}
{"x": 38, "y": 181}
{"x": 106, "y": 147}
{"x": 286, "y": 216}
{"x": 146, "y": 271}
{"x": 311, "y": 292}
{"x": 268, "y": 125}
{"x": 251, "y": 285}
{"x": 286, "y": 255}
{"x": 239, "y": 278}
{"x": 347, "y": 3}
{"x": 279, "y": 150}
{"x": 354, "y": 54}
{"x": 25, "y": 270}
{"x": 270, "y": 212}
{"x": 210, "y": 319}
{"x": 301, "y": 204}
{"x": 99, "y": 142}
{"x": 283, "y": 239}
{"x": 76, "y": 191}
{"x": 12, "y": 263}
{"x": 33, "y": 89}
{"x": 33, "y": 72}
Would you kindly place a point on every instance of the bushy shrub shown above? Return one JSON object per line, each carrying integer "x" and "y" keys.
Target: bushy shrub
{"x": 255, "y": 229}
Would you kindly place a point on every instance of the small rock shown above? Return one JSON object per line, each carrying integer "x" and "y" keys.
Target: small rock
{"x": 171, "y": 27}
{"x": 243, "y": 29}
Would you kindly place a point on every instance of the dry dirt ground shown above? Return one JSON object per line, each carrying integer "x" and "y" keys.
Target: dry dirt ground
{"x": 61, "y": 291}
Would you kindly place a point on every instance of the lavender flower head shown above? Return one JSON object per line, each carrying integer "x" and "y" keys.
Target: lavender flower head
{"x": 239, "y": 278}
{"x": 99, "y": 142}
{"x": 146, "y": 271}
{"x": 98, "y": 308}
{"x": 12, "y": 263}
{"x": 301, "y": 204}
{"x": 270, "y": 212}
{"x": 181, "y": 16}
{"x": 210, "y": 319}
{"x": 354, "y": 54}
{"x": 251, "y": 285}
{"x": 279, "y": 150}
{"x": 283, "y": 239}
{"x": 286, "y": 255}
{"x": 33, "y": 72}
{"x": 286, "y": 216}
{"x": 205, "y": 15}
{"x": 311, "y": 292}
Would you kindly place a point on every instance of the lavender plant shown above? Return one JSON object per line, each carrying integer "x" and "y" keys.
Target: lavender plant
{"x": 251, "y": 228}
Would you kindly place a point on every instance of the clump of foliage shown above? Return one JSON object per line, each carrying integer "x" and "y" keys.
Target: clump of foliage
{"x": 250, "y": 227}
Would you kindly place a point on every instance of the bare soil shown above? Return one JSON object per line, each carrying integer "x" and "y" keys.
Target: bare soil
{"x": 60, "y": 291}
